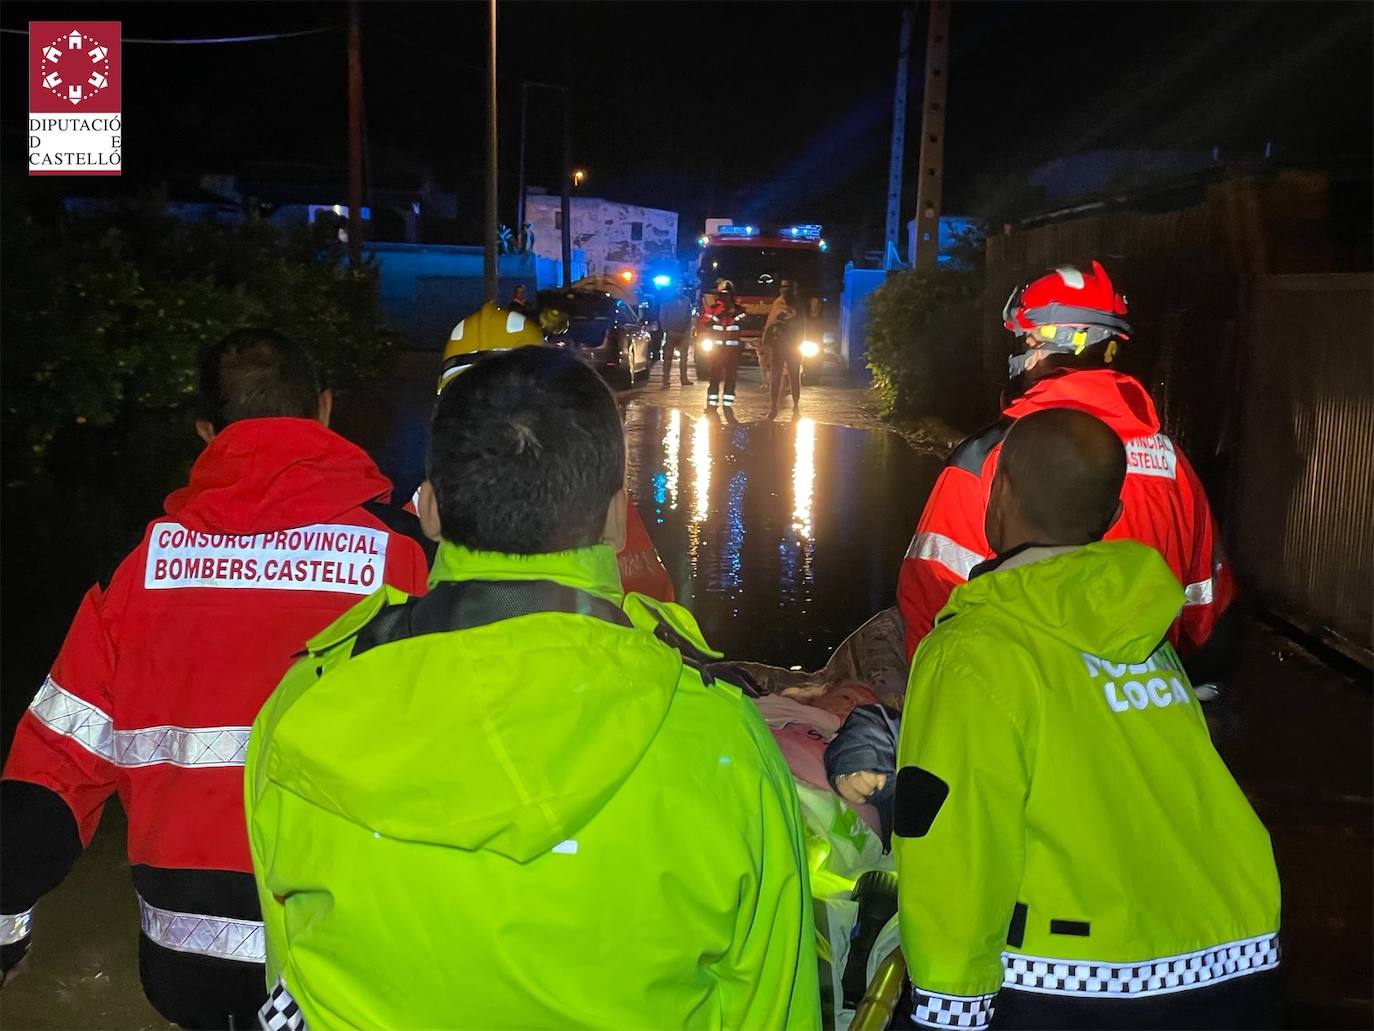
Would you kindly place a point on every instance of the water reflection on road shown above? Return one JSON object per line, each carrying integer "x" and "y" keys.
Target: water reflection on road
{"x": 781, "y": 537}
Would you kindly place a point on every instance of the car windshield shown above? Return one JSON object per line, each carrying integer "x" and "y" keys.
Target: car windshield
{"x": 757, "y": 271}
{"x": 580, "y": 306}
{"x": 589, "y": 314}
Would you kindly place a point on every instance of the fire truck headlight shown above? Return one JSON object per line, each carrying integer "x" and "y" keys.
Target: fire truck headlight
{"x": 810, "y": 348}
{"x": 707, "y": 343}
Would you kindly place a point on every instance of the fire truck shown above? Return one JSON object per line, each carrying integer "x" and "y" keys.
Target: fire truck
{"x": 756, "y": 261}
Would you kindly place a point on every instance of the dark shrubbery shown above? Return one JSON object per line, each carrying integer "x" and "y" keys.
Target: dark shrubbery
{"x": 103, "y": 318}
{"x": 923, "y": 339}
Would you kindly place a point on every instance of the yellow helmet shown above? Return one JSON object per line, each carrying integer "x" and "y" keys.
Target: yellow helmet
{"x": 489, "y": 328}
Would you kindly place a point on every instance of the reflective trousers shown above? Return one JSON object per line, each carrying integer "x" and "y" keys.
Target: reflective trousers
{"x": 724, "y": 364}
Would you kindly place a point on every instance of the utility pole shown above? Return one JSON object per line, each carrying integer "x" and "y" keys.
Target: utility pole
{"x": 489, "y": 266}
{"x": 891, "y": 259}
{"x": 928, "y": 193}
{"x": 566, "y": 208}
{"x": 520, "y": 176}
{"x": 355, "y": 137}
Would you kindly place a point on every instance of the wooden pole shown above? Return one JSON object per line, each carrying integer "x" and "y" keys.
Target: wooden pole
{"x": 355, "y": 136}
{"x": 566, "y": 207}
{"x": 520, "y": 177}
{"x": 931, "y": 188}
{"x": 894, "y": 168}
{"x": 490, "y": 263}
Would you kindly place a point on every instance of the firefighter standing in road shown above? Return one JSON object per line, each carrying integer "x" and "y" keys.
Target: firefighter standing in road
{"x": 1071, "y": 850}
{"x": 1072, "y": 324}
{"x": 603, "y": 836}
{"x": 722, "y": 324}
{"x": 282, "y": 526}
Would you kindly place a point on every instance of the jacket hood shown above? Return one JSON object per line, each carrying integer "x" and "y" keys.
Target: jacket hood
{"x": 507, "y": 737}
{"x": 261, "y": 475}
{"x": 1113, "y": 397}
{"x": 1114, "y": 599}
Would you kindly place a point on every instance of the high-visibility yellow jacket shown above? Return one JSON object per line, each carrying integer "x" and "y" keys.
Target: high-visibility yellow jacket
{"x": 543, "y": 820}
{"x": 1064, "y": 825}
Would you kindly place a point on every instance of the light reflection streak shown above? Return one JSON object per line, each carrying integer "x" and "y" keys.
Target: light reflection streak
{"x": 804, "y": 477}
{"x": 701, "y": 469}
{"x": 672, "y": 442}
{"x": 734, "y": 531}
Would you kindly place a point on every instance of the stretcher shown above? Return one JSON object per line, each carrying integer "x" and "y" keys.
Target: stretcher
{"x": 853, "y": 881}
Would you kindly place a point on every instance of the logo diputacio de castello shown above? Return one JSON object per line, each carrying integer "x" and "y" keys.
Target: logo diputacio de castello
{"x": 75, "y": 123}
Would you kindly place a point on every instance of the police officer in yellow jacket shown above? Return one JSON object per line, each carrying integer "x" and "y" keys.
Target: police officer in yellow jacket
{"x": 1072, "y": 852}
{"x": 511, "y": 802}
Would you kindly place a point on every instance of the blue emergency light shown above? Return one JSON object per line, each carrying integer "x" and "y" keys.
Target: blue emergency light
{"x": 737, "y": 231}
{"x": 809, "y": 231}
{"x": 661, "y": 281}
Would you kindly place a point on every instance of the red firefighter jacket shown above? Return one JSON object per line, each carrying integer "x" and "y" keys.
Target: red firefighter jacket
{"x": 725, "y": 323}
{"x": 1164, "y": 506}
{"x": 641, "y": 569}
{"x": 281, "y": 528}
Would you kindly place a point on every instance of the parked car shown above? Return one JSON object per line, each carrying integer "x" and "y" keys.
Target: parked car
{"x": 605, "y": 331}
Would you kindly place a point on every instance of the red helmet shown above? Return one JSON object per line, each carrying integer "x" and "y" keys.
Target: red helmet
{"x": 1068, "y": 310}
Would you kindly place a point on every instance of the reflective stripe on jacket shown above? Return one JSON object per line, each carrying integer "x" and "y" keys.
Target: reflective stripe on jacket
{"x": 1063, "y": 824}
{"x": 161, "y": 674}
{"x": 1163, "y": 505}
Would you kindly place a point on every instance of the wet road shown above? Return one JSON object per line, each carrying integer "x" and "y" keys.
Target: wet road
{"x": 782, "y": 537}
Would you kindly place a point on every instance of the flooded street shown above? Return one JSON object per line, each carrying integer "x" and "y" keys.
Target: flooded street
{"x": 782, "y": 537}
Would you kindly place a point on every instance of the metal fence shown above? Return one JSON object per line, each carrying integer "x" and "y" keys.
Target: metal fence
{"x": 1302, "y": 501}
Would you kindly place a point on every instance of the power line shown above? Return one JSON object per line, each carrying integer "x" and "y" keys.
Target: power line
{"x": 212, "y": 39}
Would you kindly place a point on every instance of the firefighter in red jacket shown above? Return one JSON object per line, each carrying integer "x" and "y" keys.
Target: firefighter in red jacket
{"x": 1072, "y": 324}
{"x": 283, "y": 526}
{"x": 722, "y": 323}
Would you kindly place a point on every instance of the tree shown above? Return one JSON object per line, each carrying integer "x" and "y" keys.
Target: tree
{"x": 105, "y": 318}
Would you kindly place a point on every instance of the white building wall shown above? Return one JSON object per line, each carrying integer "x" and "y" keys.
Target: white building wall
{"x": 605, "y": 232}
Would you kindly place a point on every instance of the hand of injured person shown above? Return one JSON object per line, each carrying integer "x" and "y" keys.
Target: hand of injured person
{"x": 857, "y": 788}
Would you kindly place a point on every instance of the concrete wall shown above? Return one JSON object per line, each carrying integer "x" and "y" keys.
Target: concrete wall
{"x": 427, "y": 288}
{"x": 858, "y": 284}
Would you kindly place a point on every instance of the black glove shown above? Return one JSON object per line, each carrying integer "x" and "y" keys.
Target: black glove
{"x": 868, "y": 741}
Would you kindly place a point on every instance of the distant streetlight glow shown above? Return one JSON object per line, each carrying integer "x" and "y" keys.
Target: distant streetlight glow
{"x": 579, "y": 176}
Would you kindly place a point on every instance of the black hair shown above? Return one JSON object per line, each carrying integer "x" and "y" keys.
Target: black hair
{"x": 526, "y": 452}
{"x": 256, "y": 374}
{"x": 1065, "y": 469}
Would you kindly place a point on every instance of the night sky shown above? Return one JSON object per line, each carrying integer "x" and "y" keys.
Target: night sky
{"x": 765, "y": 111}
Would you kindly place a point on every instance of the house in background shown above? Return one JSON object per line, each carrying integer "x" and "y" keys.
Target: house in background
{"x": 612, "y": 237}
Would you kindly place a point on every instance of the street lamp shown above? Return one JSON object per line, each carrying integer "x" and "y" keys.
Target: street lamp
{"x": 579, "y": 176}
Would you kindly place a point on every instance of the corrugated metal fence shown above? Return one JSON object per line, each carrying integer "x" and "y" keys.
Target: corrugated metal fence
{"x": 1302, "y": 502}
{"x": 1265, "y": 381}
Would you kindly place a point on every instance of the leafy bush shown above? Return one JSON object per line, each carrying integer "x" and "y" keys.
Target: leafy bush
{"x": 922, "y": 344}
{"x": 104, "y": 318}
